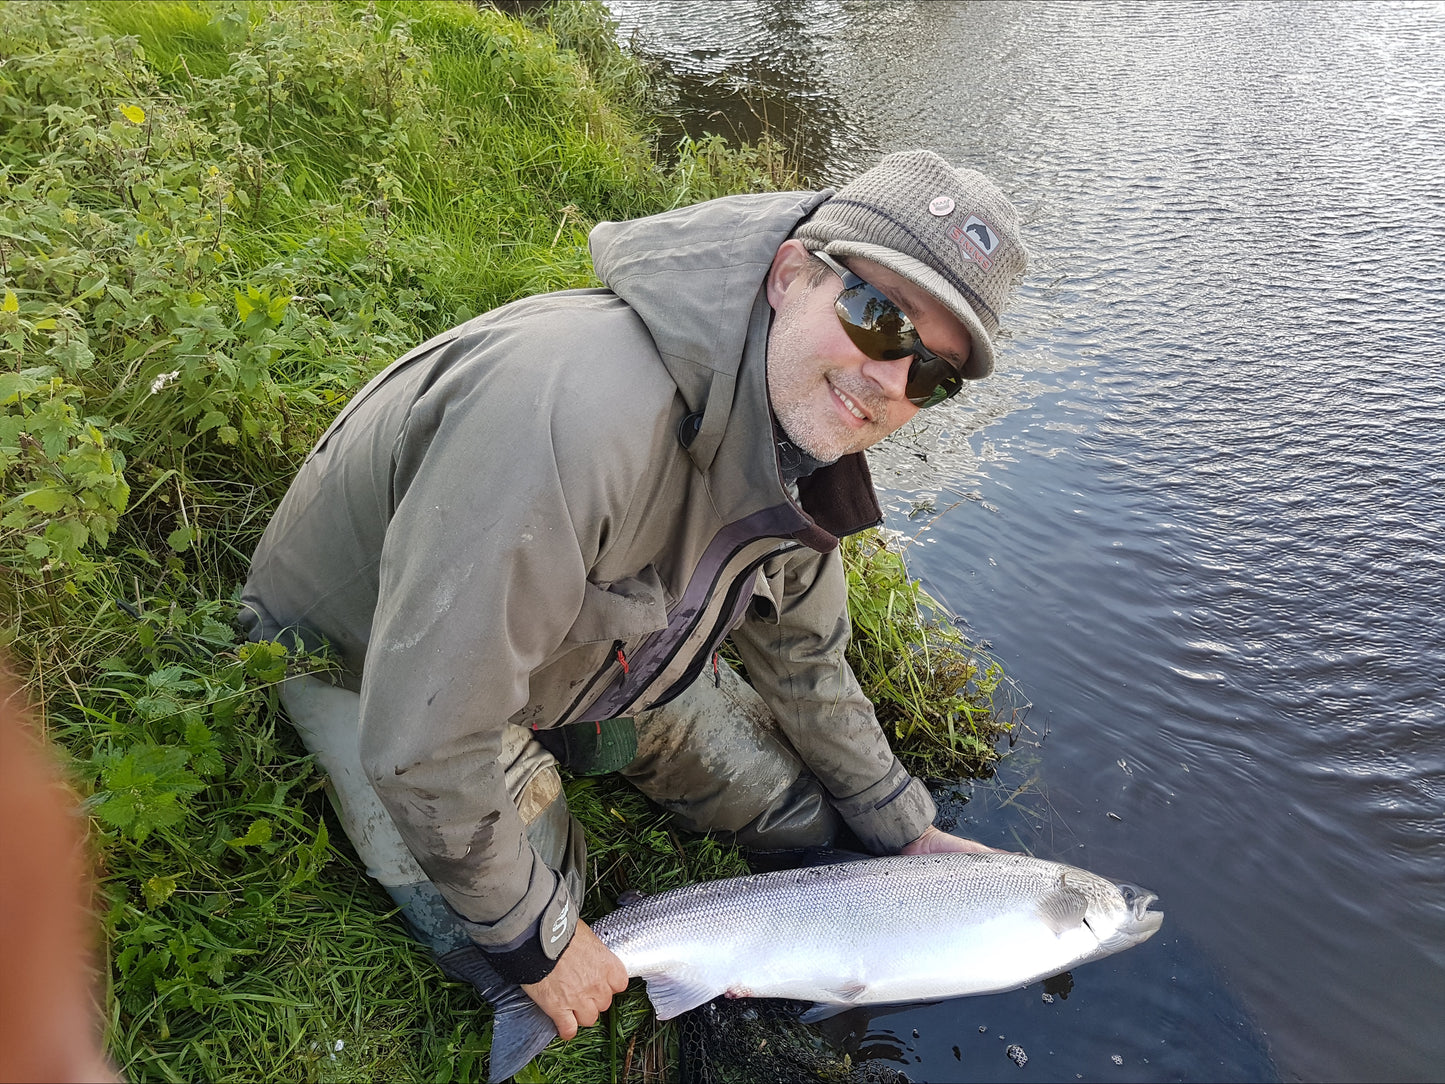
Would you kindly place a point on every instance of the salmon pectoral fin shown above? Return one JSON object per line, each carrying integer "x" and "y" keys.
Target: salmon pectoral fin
{"x": 1062, "y": 908}
{"x": 673, "y": 995}
{"x": 822, "y": 1010}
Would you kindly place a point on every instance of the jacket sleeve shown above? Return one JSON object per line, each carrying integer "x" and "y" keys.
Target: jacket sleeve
{"x": 482, "y": 573}
{"x": 793, "y": 647}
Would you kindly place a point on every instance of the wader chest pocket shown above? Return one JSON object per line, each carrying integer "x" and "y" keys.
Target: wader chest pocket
{"x": 621, "y": 610}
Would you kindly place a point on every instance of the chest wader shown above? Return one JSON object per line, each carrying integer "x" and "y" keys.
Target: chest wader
{"x": 713, "y": 757}
{"x": 328, "y": 719}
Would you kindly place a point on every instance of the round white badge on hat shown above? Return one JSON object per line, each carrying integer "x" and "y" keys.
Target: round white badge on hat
{"x": 940, "y": 206}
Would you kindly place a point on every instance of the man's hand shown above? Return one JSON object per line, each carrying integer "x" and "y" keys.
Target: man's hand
{"x": 581, "y": 985}
{"x": 934, "y": 841}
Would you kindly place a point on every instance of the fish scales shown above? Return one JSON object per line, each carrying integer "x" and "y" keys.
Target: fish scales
{"x": 872, "y": 932}
{"x": 890, "y": 929}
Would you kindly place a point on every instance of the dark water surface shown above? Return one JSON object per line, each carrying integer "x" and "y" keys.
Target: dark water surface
{"x": 1198, "y": 512}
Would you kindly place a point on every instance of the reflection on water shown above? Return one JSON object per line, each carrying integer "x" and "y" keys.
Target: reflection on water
{"x": 750, "y": 74}
{"x": 1198, "y": 511}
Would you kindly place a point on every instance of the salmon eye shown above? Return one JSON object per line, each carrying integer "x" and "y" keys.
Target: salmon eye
{"x": 1129, "y": 892}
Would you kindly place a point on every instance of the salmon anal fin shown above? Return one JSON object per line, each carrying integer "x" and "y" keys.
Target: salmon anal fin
{"x": 848, "y": 995}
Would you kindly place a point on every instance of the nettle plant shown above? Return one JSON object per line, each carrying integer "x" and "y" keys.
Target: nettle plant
{"x": 62, "y": 470}
{"x": 161, "y": 328}
{"x": 170, "y": 351}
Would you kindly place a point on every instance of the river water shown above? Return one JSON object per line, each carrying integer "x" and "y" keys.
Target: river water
{"x": 1198, "y": 511}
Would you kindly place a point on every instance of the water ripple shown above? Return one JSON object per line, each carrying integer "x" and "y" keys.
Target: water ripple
{"x": 1200, "y": 507}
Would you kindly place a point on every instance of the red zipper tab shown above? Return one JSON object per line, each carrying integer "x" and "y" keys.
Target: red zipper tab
{"x": 617, "y": 646}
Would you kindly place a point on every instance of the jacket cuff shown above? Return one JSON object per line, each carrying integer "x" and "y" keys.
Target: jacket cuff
{"x": 531, "y": 955}
{"x": 891, "y": 813}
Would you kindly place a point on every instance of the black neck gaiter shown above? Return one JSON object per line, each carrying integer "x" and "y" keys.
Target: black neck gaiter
{"x": 793, "y": 462}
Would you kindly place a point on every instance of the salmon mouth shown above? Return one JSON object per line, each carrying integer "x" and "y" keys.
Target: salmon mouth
{"x": 1138, "y": 900}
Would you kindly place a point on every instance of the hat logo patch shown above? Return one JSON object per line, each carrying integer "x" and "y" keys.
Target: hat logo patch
{"x": 977, "y": 239}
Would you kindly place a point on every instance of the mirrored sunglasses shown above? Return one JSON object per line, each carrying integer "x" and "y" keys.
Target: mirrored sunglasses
{"x": 881, "y": 330}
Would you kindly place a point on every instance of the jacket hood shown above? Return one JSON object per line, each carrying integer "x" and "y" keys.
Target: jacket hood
{"x": 695, "y": 276}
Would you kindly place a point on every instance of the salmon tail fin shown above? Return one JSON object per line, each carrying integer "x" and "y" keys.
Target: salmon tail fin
{"x": 520, "y": 1030}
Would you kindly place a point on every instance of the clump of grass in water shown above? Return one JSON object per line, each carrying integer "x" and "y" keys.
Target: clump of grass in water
{"x": 937, "y": 695}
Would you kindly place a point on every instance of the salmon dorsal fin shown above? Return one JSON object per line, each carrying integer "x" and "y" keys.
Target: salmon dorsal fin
{"x": 1063, "y": 907}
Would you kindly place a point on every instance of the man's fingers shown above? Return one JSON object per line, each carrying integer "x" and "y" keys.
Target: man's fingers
{"x": 973, "y": 846}
{"x": 566, "y": 1023}
{"x": 570, "y": 1021}
{"x": 934, "y": 841}
{"x": 614, "y": 975}
{"x": 581, "y": 986}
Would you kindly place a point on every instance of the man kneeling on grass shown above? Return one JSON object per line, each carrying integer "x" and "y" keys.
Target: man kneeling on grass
{"x": 528, "y": 537}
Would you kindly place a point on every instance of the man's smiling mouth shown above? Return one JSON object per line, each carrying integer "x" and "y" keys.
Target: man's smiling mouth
{"x": 853, "y": 407}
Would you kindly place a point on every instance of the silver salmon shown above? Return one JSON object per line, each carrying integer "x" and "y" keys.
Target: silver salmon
{"x": 876, "y": 932}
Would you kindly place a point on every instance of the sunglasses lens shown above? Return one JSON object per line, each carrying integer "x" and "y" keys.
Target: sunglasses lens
{"x": 931, "y": 380}
{"x": 881, "y": 331}
{"x": 876, "y": 325}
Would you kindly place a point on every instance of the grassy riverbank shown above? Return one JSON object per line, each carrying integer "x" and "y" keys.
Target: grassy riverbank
{"x": 216, "y": 221}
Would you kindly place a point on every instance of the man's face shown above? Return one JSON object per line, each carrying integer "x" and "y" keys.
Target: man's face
{"x": 830, "y": 398}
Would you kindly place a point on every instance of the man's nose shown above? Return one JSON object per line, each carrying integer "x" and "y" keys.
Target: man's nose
{"x": 891, "y": 376}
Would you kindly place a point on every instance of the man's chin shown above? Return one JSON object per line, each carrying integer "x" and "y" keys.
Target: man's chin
{"x": 816, "y": 436}
{"x": 829, "y": 451}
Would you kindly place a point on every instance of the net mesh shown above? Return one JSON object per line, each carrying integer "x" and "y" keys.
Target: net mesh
{"x": 761, "y": 1042}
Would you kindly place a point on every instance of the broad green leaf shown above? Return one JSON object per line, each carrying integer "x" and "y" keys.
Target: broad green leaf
{"x": 48, "y": 500}
{"x": 245, "y": 305}
{"x": 212, "y": 420}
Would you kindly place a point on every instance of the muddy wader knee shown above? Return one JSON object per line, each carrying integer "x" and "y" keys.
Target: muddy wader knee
{"x": 715, "y": 758}
{"x": 328, "y": 719}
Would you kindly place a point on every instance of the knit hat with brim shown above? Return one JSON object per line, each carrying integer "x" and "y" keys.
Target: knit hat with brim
{"x": 949, "y": 231}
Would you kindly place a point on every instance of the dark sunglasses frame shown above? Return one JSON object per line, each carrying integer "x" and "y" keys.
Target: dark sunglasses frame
{"x": 883, "y": 332}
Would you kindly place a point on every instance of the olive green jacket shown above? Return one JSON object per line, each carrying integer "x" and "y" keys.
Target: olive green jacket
{"x": 555, "y": 512}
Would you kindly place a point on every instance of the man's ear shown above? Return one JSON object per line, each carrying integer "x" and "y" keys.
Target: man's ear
{"x": 789, "y": 262}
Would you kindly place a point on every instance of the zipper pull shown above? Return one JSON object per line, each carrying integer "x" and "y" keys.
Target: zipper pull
{"x": 617, "y": 647}
{"x": 716, "y": 677}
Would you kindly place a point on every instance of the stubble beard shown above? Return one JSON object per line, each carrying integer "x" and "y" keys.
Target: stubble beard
{"x": 794, "y": 376}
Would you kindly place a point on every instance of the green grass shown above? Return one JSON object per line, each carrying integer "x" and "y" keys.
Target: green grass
{"x": 216, "y": 222}
{"x": 943, "y": 701}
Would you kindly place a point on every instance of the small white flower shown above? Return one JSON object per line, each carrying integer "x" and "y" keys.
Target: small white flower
{"x": 164, "y": 380}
